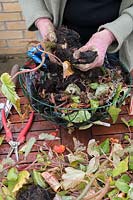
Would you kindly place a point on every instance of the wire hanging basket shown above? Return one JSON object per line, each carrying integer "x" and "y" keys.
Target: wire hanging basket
{"x": 68, "y": 116}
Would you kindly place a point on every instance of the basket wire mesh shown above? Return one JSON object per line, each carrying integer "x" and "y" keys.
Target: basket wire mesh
{"x": 55, "y": 114}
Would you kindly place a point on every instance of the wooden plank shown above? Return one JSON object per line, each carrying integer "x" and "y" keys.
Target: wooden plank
{"x": 82, "y": 136}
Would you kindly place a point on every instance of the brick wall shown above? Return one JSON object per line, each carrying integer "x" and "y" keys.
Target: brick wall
{"x": 13, "y": 34}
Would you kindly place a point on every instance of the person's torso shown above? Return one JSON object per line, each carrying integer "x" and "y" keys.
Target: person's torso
{"x": 85, "y": 16}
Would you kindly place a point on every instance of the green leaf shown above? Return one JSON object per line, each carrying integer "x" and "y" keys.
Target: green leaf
{"x": 130, "y": 122}
{"x": 117, "y": 94}
{"x": 1, "y": 139}
{"x": 125, "y": 178}
{"x": 37, "y": 178}
{"x": 122, "y": 186}
{"x": 8, "y": 90}
{"x": 105, "y": 147}
{"x": 94, "y": 86}
{"x": 23, "y": 178}
{"x": 78, "y": 117}
{"x": 125, "y": 121}
{"x": 94, "y": 104}
{"x": 72, "y": 178}
{"x": 114, "y": 113}
{"x": 12, "y": 174}
{"x": 75, "y": 99}
{"x": 121, "y": 168}
{"x": 130, "y": 162}
{"x": 113, "y": 193}
{"x": 1, "y": 197}
{"x": 10, "y": 198}
{"x": 26, "y": 149}
{"x": 6, "y": 191}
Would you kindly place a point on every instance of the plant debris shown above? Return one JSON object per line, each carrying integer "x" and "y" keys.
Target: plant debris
{"x": 96, "y": 171}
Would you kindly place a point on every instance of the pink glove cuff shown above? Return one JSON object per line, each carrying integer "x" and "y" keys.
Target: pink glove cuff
{"x": 108, "y": 36}
{"x": 40, "y": 21}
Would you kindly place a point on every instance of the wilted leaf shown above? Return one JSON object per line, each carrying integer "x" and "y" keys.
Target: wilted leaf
{"x": 93, "y": 165}
{"x": 101, "y": 89}
{"x": 67, "y": 70}
{"x": 93, "y": 148}
{"x": 73, "y": 89}
{"x": 114, "y": 113}
{"x": 78, "y": 116}
{"x": 8, "y": 161}
{"x": 78, "y": 146}
{"x": 130, "y": 191}
{"x": 72, "y": 178}
{"x": 8, "y": 89}
{"x": 26, "y": 149}
{"x": 51, "y": 180}
{"x": 77, "y": 156}
{"x": 122, "y": 186}
{"x": 67, "y": 198}
{"x": 46, "y": 136}
{"x": 117, "y": 153}
{"x": 23, "y": 178}
{"x": 121, "y": 168}
{"x": 38, "y": 180}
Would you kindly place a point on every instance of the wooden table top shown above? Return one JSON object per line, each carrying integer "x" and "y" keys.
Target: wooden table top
{"x": 40, "y": 125}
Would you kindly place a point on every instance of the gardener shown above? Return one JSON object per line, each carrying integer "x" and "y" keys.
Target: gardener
{"x": 105, "y": 26}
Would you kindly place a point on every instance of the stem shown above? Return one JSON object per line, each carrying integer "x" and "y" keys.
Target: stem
{"x": 103, "y": 191}
{"x": 32, "y": 164}
{"x": 85, "y": 191}
{"x": 58, "y": 59}
{"x": 30, "y": 70}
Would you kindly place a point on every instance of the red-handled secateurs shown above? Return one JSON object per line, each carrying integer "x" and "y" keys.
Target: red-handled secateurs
{"x": 21, "y": 137}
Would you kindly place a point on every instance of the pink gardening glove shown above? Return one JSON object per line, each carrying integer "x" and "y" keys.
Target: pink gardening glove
{"x": 99, "y": 42}
{"x": 46, "y": 29}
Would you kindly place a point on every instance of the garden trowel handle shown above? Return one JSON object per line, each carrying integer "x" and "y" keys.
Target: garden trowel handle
{"x": 14, "y": 70}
